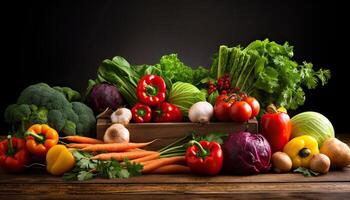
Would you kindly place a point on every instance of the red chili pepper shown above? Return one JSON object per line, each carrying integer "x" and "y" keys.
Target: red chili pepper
{"x": 167, "y": 112}
{"x": 141, "y": 113}
{"x": 151, "y": 90}
{"x": 276, "y": 128}
{"x": 13, "y": 154}
{"x": 204, "y": 157}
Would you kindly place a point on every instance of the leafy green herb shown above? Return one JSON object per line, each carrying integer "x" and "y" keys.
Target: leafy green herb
{"x": 85, "y": 175}
{"x": 306, "y": 172}
{"x": 86, "y": 168}
{"x": 212, "y": 137}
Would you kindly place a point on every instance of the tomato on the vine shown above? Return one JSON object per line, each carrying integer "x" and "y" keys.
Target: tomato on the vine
{"x": 254, "y": 104}
{"x": 240, "y": 111}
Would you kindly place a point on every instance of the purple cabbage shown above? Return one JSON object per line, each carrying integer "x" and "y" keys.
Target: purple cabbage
{"x": 246, "y": 153}
{"x": 104, "y": 95}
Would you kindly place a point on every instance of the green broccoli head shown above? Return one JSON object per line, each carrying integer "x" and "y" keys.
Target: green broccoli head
{"x": 42, "y": 95}
{"x": 87, "y": 120}
{"x": 71, "y": 95}
{"x": 40, "y": 103}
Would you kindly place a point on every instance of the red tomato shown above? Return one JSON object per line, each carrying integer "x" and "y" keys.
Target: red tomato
{"x": 222, "y": 108}
{"x": 254, "y": 104}
{"x": 240, "y": 111}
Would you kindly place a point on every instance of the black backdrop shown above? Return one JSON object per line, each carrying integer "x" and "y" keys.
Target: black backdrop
{"x": 63, "y": 42}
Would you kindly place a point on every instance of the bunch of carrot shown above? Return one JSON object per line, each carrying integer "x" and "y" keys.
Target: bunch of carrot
{"x": 153, "y": 161}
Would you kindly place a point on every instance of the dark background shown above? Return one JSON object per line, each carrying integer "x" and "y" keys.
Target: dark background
{"x": 63, "y": 42}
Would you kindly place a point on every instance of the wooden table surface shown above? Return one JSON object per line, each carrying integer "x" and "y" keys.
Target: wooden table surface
{"x": 40, "y": 185}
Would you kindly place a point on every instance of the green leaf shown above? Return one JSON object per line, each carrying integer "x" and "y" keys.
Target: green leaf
{"x": 133, "y": 168}
{"x": 78, "y": 155}
{"x": 306, "y": 172}
{"x": 123, "y": 173}
{"x": 84, "y": 175}
{"x": 69, "y": 176}
{"x": 212, "y": 137}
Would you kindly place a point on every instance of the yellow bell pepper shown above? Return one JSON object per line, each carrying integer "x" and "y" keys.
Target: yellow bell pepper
{"x": 301, "y": 149}
{"x": 59, "y": 160}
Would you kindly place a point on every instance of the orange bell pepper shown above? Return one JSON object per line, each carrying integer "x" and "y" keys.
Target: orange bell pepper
{"x": 40, "y": 138}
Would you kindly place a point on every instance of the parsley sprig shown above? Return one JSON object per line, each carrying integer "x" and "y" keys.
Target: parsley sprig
{"x": 86, "y": 168}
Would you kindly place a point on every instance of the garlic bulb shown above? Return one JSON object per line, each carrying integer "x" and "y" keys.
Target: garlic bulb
{"x": 121, "y": 116}
{"x": 116, "y": 133}
{"x": 201, "y": 112}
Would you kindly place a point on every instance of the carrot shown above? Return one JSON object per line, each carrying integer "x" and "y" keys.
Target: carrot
{"x": 136, "y": 149}
{"x": 146, "y": 158}
{"x": 115, "y": 147}
{"x": 121, "y": 155}
{"x": 171, "y": 169}
{"x": 82, "y": 139}
{"x": 154, "y": 164}
{"x": 77, "y": 145}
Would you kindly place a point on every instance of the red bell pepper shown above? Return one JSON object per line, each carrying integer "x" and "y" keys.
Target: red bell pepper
{"x": 167, "y": 112}
{"x": 151, "y": 90}
{"x": 141, "y": 113}
{"x": 276, "y": 128}
{"x": 204, "y": 157}
{"x": 13, "y": 154}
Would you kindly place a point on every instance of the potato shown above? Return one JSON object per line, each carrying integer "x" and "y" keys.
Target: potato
{"x": 281, "y": 162}
{"x": 320, "y": 163}
{"x": 337, "y": 151}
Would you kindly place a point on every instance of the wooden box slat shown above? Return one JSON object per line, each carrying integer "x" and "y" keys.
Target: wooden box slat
{"x": 166, "y": 133}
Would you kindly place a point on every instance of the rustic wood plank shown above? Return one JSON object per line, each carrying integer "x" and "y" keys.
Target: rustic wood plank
{"x": 166, "y": 133}
{"x": 241, "y": 190}
{"x": 41, "y": 177}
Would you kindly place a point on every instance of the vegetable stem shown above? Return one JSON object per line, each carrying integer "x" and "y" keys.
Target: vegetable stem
{"x": 10, "y": 150}
{"x": 37, "y": 137}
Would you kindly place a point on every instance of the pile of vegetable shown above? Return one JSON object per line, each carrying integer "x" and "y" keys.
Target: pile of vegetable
{"x": 267, "y": 71}
{"x": 53, "y": 128}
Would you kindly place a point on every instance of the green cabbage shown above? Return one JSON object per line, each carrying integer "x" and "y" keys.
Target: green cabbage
{"x": 184, "y": 95}
{"x": 313, "y": 124}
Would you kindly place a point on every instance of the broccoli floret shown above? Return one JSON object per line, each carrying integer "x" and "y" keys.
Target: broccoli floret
{"x": 56, "y": 120}
{"x": 69, "y": 128}
{"x": 39, "y": 116}
{"x": 15, "y": 113}
{"x": 87, "y": 121}
{"x": 71, "y": 95}
{"x": 40, "y": 103}
{"x": 43, "y": 95}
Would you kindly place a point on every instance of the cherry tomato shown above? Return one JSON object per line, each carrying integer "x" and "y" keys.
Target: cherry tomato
{"x": 254, "y": 104}
{"x": 240, "y": 111}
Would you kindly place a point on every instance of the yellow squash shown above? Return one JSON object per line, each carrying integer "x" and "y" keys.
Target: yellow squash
{"x": 59, "y": 160}
{"x": 301, "y": 149}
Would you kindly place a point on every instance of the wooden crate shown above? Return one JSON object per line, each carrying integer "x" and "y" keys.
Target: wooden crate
{"x": 166, "y": 133}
